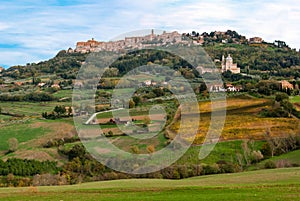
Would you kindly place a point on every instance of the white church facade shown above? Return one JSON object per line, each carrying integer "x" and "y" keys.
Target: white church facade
{"x": 227, "y": 64}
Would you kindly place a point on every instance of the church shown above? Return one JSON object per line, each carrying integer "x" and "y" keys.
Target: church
{"x": 227, "y": 64}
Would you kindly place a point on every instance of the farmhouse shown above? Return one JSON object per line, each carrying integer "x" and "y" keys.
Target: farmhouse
{"x": 216, "y": 88}
{"x": 286, "y": 85}
{"x": 255, "y": 40}
{"x": 41, "y": 84}
{"x": 56, "y": 86}
{"x": 231, "y": 88}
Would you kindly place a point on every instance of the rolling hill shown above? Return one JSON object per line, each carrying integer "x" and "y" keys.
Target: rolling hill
{"x": 269, "y": 185}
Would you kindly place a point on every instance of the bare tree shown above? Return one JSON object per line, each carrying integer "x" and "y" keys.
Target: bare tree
{"x": 281, "y": 144}
{"x": 257, "y": 156}
{"x": 246, "y": 152}
{"x": 239, "y": 158}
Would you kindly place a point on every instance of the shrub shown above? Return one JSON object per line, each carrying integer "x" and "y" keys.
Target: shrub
{"x": 48, "y": 180}
{"x": 228, "y": 168}
{"x": 266, "y": 150}
{"x": 110, "y": 134}
{"x": 270, "y": 165}
{"x": 256, "y": 156}
{"x": 283, "y": 163}
{"x": 12, "y": 144}
{"x": 211, "y": 169}
{"x": 77, "y": 151}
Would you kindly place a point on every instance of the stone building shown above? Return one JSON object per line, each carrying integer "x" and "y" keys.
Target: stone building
{"x": 227, "y": 64}
{"x": 286, "y": 85}
{"x": 255, "y": 40}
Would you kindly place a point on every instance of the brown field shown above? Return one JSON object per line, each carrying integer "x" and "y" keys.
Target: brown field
{"x": 243, "y": 121}
{"x": 139, "y": 117}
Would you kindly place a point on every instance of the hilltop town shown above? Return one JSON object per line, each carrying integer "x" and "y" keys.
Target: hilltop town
{"x": 165, "y": 38}
{"x": 171, "y": 38}
{"x": 129, "y": 43}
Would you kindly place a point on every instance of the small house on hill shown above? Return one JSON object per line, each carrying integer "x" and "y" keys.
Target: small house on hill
{"x": 56, "y": 86}
{"x": 286, "y": 85}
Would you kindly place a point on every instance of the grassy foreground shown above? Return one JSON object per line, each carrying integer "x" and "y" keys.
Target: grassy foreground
{"x": 275, "y": 184}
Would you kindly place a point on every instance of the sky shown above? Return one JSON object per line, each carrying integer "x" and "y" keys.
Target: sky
{"x": 35, "y": 30}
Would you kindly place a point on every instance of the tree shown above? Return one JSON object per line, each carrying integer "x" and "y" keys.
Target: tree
{"x": 36, "y": 81}
{"x": 110, "y": 133}
{"x": 131, "y": 103}
{"x": 257, "y": 156}
{"x": 70, "y": 111}
{"x": 158, "y": 92}
{"x": 12, "y": 144}
{"x": 77, "y": 151}
{"x": 246, "y": 152}
{"x": 287, "y": 106}
{"x": 202, "y": 87}
{"x": 146, "y": 120}
{"x": 266, "y": 150}
{"x": 281, "y": 96}
{"x": 60, "y": 110}
{"x": 151, "y": 149}
{"x": 135, "y": 149}
{"x": 136, "y": 100}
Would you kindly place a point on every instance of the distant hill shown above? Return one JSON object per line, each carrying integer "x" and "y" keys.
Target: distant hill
{"x": 253, "y": 56}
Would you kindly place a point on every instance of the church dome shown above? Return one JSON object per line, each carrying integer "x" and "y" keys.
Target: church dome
{"x": 229, "y": 58}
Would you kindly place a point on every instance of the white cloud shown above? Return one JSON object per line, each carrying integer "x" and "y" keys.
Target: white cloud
{"x": 43, "y": 29}
{"x": 3, "y": 26}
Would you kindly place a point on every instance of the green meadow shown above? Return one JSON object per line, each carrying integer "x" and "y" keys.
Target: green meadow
{"x": 269, "y": 185}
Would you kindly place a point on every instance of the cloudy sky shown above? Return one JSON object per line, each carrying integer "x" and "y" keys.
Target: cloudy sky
{"x": 35, "y": 30}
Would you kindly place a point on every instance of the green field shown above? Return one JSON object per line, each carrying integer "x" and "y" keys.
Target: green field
{"x": 63, "y": 94}
{"x": 292, "y": 157}
{"x": 31, "y": 135}
{"x": 269, "y": 185}
{"x": 29, "y": 108}
{"x": 223, "y": 151}
{"x": 23, "y": 133}
{"x": 295, "y": 99}
{"x": 4, "y": 117}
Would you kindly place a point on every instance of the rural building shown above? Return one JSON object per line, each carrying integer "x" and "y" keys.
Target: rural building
{"x": 231, "y": 88}
{"x": 41, "y": 84}
{"x": 216, "y": 88}
{"x": 56, "y": 86}
{"x": 255, "y": 40}
{"x": 286, "y": 85}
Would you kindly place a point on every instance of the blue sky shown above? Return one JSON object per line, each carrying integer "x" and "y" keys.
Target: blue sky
{"x": 32, "y": 31}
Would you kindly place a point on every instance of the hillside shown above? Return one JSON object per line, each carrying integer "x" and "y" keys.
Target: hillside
{"x": 275, "y": 59}
{"x": 269, "y": 185}
{"x": 39, "y": 139}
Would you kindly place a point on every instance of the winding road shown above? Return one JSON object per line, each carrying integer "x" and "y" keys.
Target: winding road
{"x": 95, "y": 114}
